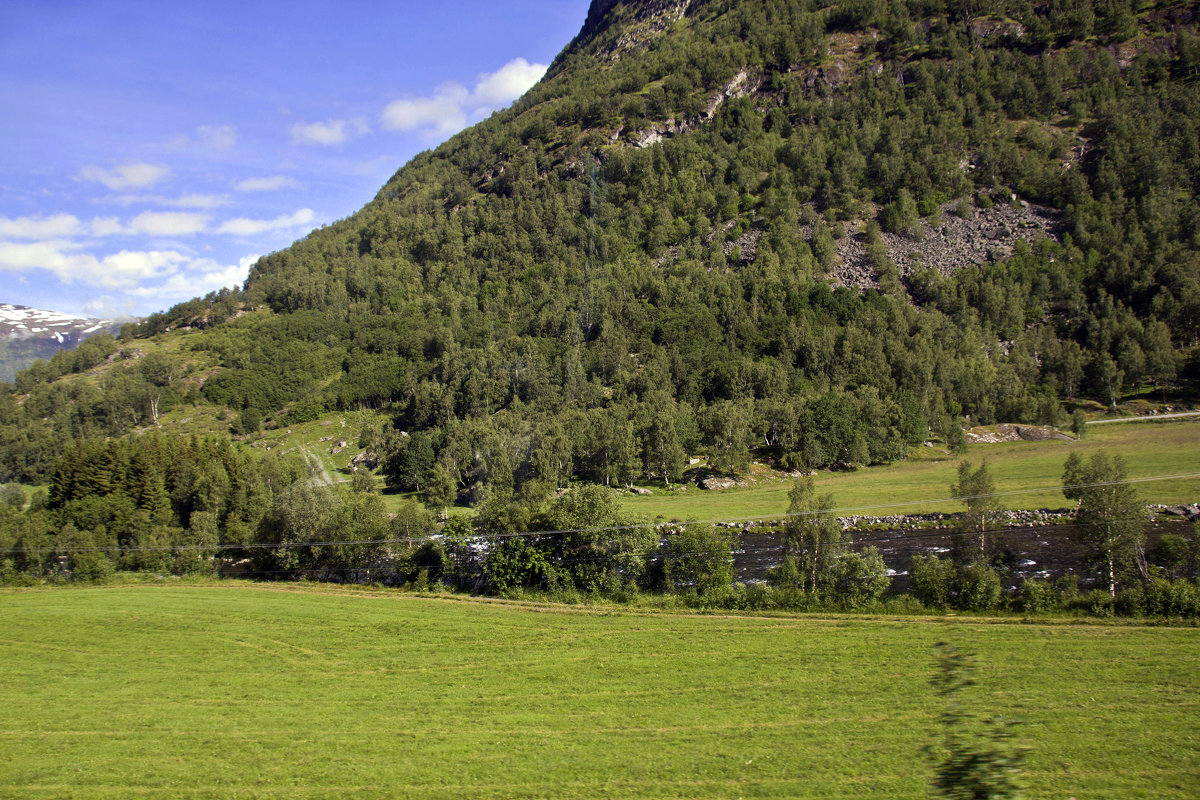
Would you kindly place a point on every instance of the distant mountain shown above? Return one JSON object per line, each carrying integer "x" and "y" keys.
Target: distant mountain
{"x": 27, "y": 334}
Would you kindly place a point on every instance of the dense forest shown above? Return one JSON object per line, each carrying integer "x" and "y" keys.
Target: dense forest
{"x": 645, "y": 258}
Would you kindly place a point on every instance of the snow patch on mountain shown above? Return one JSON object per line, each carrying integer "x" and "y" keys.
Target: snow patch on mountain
{"x": 22, "y": 322}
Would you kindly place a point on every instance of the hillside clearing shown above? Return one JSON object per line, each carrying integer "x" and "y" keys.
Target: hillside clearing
{"x": 921, "y": 484}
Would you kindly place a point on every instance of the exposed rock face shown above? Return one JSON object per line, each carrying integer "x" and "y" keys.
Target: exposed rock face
{"x": 644, "y": 20}
{"x": 365, "y": 459}
{"x": 643, "y": 9}
{"x": 950, "y": 242}
{"x": 717, "y": 484}
{"x": 596, "y": 13}
{"x": 1015, "y": 433}
{"x": 740, "y": 85}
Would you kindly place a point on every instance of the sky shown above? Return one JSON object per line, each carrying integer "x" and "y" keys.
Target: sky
{"x": 151, "y": 152}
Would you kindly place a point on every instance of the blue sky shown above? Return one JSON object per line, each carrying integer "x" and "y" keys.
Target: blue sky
{"x": 151, "y": 151}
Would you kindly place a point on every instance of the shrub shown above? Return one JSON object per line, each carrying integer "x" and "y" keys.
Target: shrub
{"x": 864, "y": 579}
{"x": 698, "y": 558}
{"x": 1172, "y": 598}
{"x": 1130, "y": 602}
{"x": 91, "y": 567}
{"x": 932, "y": 580}
{"x": 977, "y": 588}
{"x": 1097, "y": 602}
{"x": 1038, "y": 596}
{"x": 753, "y": 596}
{"x": 515, "y": 564}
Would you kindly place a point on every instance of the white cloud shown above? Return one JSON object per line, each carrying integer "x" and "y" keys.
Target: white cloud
{"x": 216, "y": 137}
{"x": 199, "y": 277}
{"x": 272, "y": 183}
{"x": 56, "y": 255}
{"x": 66, "y": 226}
{"x": 131, "y": 268}
{"x": 499, "y": 88}
{"x": 443, "y": 113}
{"x": 107, "y": 226}
{"x": 182, "y": 201}
{"x": 126, "y": 176}
{"x": 331, "y": 131}
{"x": 242, "y": 226}
{"x": 167, "y": 223}
{"x": 206, "y": 137}
{"x": 107, "y": 307}
{"x": 197, "y": 201}
{"x": 119, "y": 270}
{"x": 56, "y": 226}
{"x": 160, "y": 274}
{"x": 451, "y": 106}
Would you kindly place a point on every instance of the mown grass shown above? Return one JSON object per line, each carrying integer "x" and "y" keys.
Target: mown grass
{"x": 922, "y": 483}
{"x": 235, "y": 690}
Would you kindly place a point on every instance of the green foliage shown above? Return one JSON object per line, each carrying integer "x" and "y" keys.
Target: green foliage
{"x": 596, "y": 548}
{"x": 817, "y": 559}
{"x": 1078, "y": 424}
{"x": 941, "y": 583}
{"x": 514, "y": 563}
{"x": 976, "y": 488}
{"x": 1109, "y": 517}
{"x": 13, "y": 496}
{"x": 91, "y": 568}
{"x": 814, "y": 538}
{"x": 1037, "y": 596}
{"x": 697, "y": 558}
{"x": 862, "y": 579}
{"x": 932, "y": 580}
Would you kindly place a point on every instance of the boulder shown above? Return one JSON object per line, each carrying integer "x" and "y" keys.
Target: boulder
{"x": 717, "y": 484}
{"x": 365, "y": 459}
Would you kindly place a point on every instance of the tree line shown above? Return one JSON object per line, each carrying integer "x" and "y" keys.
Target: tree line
{"x": 204, "y": 506}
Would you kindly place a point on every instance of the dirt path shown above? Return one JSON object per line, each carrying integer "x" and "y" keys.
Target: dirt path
{"x": 320, "y": 473}
{"x": 1151, "y": 418}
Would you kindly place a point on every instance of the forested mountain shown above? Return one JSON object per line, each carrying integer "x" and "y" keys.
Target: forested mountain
{"x": 819, "y": 231}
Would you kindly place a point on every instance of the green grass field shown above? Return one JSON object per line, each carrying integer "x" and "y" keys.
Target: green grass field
{"x": 253, "y": 691}
{"x": 915, "y": 486}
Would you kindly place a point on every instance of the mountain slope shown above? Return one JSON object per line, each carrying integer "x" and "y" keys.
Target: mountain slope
{"x": 662, "y": 248}
{"x": 28, "y": 334}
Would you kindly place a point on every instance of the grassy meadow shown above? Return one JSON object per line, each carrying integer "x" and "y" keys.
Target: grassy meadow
{"x": 922, "y": 483}
{"x": 290, "y": 691}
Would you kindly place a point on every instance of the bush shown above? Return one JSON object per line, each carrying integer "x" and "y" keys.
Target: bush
{"x": 1038, "y": 596}
{"x": 932, "y": 580}
{"x": 429, "y": 559}
{"x": 864, "y": 579}
{"x": 977, "y": 588}
{"x": 753, "y": 596}
{"x": 1097, "y": 602}
{"x": 698, "y": 558}
{"x": 249, "y": 421}
{"x": 1130, "y": 602}
{"x": 1171, "y": 552}
{"x": 903, "y": 605}
{"x": 91, "y": 567}
{"x": 516, "y": 564}
{"x": 1172, "y": 598}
